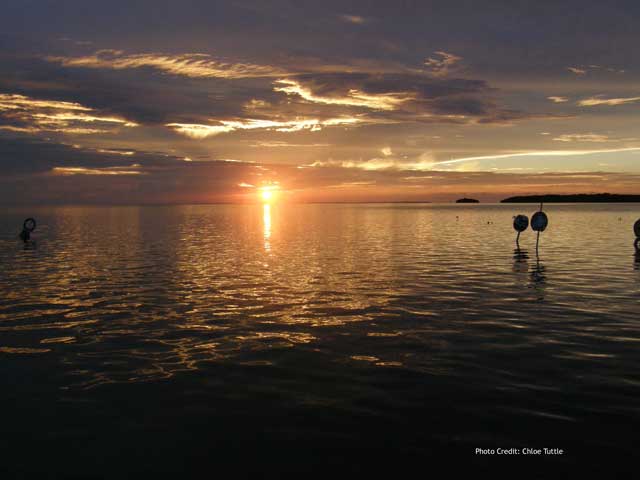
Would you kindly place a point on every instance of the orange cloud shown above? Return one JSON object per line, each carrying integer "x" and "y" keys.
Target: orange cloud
{"x": 27, "y": 115}
{"x": 131, "y": 170}
{"x": 355, "y": 98}
{"x": 195, "y": 65}
{"x": 583, "y": 137}
{"x": 200, "y": 131}
{"x": 597, "y": 100}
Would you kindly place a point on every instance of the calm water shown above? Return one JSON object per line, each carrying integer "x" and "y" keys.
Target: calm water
{"x": 288, "y": 337}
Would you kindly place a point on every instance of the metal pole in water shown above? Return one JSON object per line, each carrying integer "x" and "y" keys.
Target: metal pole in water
{"x": 520, "y": 224}
{"x": 539, "y": 223}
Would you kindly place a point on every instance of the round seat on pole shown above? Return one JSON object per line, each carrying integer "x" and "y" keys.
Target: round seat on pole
{"x": 539, "y": 221}
{"x": 520, "y": 223}
{"x": 29, "y": 224}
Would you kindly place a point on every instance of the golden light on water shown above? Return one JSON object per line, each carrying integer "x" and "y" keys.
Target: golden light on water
{"x": 266, "y": 220}
{"x": 268, "y": 194}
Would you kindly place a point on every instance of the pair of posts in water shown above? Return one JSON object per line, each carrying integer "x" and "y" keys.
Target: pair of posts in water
{"x": 539, "y": 222}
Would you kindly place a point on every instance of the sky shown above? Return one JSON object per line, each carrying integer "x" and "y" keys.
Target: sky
{"x": 145, "y": 102}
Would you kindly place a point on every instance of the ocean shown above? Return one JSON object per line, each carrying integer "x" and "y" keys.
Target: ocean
{"x": 285, "y": 338}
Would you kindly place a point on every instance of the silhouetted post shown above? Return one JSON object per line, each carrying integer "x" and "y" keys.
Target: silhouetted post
{"x": 539, "y": 222}
{"x": 636, "y": 230}
{"x": 520, "y": 224}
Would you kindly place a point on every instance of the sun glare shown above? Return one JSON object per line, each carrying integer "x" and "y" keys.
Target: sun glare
{"x": 268, "y": 193}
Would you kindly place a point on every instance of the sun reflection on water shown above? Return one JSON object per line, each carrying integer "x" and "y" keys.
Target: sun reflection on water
{"x": 266, "y": 220}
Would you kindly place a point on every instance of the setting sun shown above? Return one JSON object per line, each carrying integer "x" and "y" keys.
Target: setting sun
{"x": 268, "y": 193}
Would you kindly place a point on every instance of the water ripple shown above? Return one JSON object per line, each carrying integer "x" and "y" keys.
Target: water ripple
{"x": 129, "y": 295}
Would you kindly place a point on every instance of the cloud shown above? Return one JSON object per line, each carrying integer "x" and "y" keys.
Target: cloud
{"x": 280, "y": 144}
{"x": 608, "y": 69}
{"x": 423, "y": 162}
{"x": 18, "y": 102}
{"x": 22, "y": 114}
{"x": 312, "y": 102}
{"x": 354, "y": 182}
{"x": 194, "y": 65}
{"x": 374, "y": 92}
{"x": 598, "y": 100}
{"x": 200, "y": 131}
{"x": 142, "y": 97}
{"x": 397, "y": 98}
{"x": 116, "y": 151}
{"x": 47, "y": 172}
{"x": 583, "y": 137}
{"x": 130, "y": 170}
{"x": 584, "y": 69}
{"x": 33, "y": 156}
{"x": 353, "y": 97}
{"x": 355, "y": 19}
{"x": 558, "y": 99}
{"x": 442, "y": 63}
{"x": 399, "y": 87}
{"x": 537, "y": 153}
{"x": 63, "y": 174}
{"x": 577, "y": 71}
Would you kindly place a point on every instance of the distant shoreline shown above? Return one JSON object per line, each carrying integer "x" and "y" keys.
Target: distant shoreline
{"x": 576, "y": 198}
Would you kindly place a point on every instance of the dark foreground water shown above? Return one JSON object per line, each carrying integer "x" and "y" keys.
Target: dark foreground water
{"x": 342, "y": 339}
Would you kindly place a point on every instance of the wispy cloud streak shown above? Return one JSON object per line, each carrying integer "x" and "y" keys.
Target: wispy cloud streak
{"x": 354, "y": 98}
{"x": 22, "y": 114}
{"x": 537, "y": 153}
{"x": 199, "y": 131}
{"x": 598, "y": 100}
{"x": 195, "y": 65}
{"x": 131, "y": 170}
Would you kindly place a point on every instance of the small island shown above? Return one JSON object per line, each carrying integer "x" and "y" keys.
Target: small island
{"x": 576, "y": 198}
{"x": 467, "y": 200}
